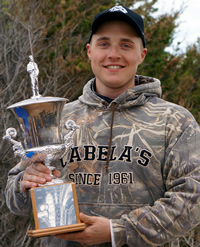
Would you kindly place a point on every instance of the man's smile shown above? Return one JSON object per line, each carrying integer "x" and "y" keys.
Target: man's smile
{"x": 114, "y": 66}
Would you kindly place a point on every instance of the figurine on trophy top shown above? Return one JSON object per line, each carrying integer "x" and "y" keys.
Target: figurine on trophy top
{"x": 32, "y": 68}
{"x": 39, "y": 120}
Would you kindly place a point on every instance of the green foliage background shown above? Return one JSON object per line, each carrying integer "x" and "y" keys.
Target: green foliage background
{"x": 57, "y": 31}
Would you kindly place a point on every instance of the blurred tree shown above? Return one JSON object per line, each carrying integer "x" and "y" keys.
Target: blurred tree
{"x": 159, "y": 33}
{"x": 183, "y": 80}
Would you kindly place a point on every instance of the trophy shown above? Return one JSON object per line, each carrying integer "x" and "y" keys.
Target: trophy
{"x": 54, "y": 204}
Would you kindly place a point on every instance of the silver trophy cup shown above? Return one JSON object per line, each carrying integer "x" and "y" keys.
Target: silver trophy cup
{"x": 54, "y": 204}
{"x": 39, "y": 120}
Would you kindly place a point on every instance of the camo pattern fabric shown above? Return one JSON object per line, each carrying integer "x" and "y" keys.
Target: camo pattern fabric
{"x": 134, "y": 161}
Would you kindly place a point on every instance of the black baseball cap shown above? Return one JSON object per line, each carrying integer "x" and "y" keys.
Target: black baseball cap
{"x": 119, "y": 13}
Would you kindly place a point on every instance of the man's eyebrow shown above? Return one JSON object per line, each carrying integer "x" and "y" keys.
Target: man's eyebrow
{"x": 127, "y": 40}
{"x": 123, "y": 39}
{"x": 103, "y": 38}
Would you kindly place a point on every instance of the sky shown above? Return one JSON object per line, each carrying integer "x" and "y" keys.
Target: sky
{"x": 189, "y": 21}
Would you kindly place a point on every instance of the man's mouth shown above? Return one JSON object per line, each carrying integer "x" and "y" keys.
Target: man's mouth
{"x": 114, "y": 67}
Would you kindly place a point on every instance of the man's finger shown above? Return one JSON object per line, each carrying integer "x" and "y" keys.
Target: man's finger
{"x": 86, "y": 219}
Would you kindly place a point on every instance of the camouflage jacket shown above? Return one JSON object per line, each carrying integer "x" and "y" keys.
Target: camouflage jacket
{"x": 149, "y": 184}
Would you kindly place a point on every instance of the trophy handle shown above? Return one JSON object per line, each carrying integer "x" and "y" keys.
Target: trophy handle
{"x": 68, "y": 140}
{"x": 17, "y": 146}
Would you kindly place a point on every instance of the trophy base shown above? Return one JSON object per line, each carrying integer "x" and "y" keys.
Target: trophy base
{"x": 56, "y": 230}
{"x": 55, "y": 210}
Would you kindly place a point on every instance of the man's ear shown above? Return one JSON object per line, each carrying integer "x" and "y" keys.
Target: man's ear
{"x": 88, "y": 51}
{"x": 143, "y": 55}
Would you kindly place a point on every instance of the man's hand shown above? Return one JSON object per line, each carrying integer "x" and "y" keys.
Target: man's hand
{"x": 36, "y": 173}
{"x": 96, "y": 232}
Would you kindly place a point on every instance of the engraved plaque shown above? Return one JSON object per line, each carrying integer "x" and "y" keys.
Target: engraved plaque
{"x": 55, "y": 210}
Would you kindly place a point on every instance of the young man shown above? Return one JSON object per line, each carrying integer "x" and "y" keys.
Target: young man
{"x": 135, "y": 157}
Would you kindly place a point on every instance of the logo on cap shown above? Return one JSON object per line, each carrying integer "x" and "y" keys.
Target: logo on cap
{"x": 118, "y": 8}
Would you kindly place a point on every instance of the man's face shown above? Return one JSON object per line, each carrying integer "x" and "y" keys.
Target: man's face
{"x": 115, "y": 52}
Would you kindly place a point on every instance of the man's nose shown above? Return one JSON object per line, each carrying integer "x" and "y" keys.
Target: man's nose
{"x": 114, "y": 53}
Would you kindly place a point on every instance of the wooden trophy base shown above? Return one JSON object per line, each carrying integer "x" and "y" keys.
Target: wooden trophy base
{"x": 55, "y": 210}
{"x": 56, "y": 230}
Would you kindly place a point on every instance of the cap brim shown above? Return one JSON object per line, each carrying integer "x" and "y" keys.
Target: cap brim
{"x": 114, "y": 16}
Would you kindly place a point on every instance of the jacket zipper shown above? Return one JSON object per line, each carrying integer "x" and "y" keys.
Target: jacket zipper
{"x": 110, "y": 138}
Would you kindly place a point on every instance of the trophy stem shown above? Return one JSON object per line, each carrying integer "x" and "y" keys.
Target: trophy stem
{"x": 47, "y": 163}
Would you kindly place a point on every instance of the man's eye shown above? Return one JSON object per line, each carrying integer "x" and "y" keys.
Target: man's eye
{"x": 126, "y": 45}
{"x": 103, "y": 44}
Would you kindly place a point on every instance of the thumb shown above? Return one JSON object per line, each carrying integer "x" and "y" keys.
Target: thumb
{"x": 86, "y": 219}
{"x": 56, "y": 173}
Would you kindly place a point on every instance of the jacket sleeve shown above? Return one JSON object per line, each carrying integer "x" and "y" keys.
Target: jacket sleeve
{"x": 177, "y": 212}
{"x": 17, "y": 201}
